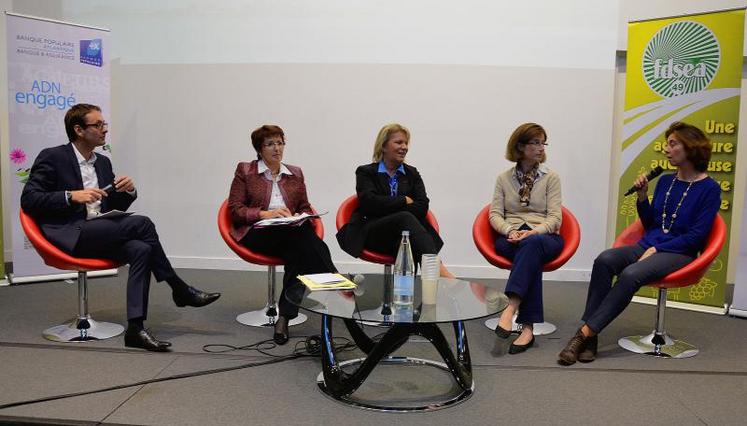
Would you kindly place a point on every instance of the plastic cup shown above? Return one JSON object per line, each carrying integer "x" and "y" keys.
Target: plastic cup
{"x": 429, "y": 273}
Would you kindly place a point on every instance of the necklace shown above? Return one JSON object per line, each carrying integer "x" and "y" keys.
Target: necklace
{"x": 665, "y": 228}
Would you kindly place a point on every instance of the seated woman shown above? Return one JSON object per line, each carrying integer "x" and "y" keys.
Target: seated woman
{"x": 677, "y": 222}
{"x": 266, "y": 188}
{"x": 526, "y": 213}
{"x": 391, "y": 198}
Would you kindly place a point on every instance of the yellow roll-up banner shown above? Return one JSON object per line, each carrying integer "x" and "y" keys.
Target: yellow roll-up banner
{"x": 689, "y": 69}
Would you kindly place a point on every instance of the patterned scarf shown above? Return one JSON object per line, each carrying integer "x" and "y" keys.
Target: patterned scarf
{"x": 526, "y": 182}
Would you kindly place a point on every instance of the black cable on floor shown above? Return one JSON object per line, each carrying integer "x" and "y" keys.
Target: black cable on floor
{"x": 311, "y": 348}
{"x": 149, "y": 381}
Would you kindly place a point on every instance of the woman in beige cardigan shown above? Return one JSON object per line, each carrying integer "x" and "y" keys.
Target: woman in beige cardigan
{"x": 526, "y": 214}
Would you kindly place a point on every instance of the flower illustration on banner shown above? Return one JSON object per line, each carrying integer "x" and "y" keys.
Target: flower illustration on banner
{"x": 108, "y": 148}
{"x": 704, "y": 288}
{"x": 17, "y": 156}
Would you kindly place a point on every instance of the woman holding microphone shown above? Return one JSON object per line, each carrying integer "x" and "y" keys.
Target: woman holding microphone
{"x": 677, "y": 222}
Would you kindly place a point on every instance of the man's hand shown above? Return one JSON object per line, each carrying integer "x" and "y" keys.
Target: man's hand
{"x": 124, "y": 184}
{"x": 269, "y": 214}
{"x": 651, "y": 250}
{"x": 90, "y": 195}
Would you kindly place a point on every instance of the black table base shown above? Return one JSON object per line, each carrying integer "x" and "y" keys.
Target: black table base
{"x": 339, "y": 385}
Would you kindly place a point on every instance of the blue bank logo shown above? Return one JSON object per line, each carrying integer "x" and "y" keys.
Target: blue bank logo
{"x": 91, "y": 52}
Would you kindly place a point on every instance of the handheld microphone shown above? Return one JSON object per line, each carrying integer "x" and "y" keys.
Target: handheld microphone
{"x": 653, "y": 174}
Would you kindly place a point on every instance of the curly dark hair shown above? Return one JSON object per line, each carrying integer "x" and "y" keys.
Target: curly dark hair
{"x": 697, "y": 145}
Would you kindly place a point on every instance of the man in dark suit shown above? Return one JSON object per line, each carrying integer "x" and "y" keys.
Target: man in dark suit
{"x": 69, "y": 186}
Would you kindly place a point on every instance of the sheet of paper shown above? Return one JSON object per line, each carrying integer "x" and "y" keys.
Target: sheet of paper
{"x": 325, "y": 278}
{"x": 291, "y": 220}
{"x": 111, "y": 214}
{"x": 327, "y": 282}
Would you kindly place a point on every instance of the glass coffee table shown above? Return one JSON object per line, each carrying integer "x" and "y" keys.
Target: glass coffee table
{"x": 455, "y": 301}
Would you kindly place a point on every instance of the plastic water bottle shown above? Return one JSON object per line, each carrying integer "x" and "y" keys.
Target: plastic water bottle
{"x": 404, "y": 273}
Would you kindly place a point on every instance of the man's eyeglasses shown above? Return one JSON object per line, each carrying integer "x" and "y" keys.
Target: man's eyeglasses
{"x": 100, "y": 125}
{"x": 537, "y": 142}
{"x": 273, "y": 144}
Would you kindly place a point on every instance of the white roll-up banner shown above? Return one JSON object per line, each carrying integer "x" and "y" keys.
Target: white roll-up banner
{"x": 52, "y": 66}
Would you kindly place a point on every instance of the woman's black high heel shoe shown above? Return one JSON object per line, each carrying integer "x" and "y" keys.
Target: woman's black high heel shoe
{"x": 281, "y": 331}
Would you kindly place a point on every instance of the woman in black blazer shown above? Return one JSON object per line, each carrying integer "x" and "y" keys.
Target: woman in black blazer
{"x": 391, "y": 198}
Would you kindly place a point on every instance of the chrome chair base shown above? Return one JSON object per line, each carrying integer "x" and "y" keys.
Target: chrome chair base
{"x": 259, "y": 318}
{"x": 69, "y": 333}
{"x": 671, "y": 348}
{"x": 540, "y": 328}
{"x": 461, "y": 396}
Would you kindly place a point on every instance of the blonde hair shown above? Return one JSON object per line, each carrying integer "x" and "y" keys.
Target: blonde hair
{"x": 521, "y": 136}
{"x": 385, "y": 133}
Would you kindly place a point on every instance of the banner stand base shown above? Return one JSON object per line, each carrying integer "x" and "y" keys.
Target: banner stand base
{"x": 738, "y": 312}
{"x": 681, "y": 305}
{"x": 58, "y": 277}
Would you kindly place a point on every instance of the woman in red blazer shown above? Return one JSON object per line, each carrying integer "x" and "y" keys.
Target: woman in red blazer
{"x": 266, "y": 188}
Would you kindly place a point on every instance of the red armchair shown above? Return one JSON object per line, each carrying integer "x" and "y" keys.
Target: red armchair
{"x": 267, "y": 315}
{"x": 658, "y": 343}
{"x": 82, "y": 328}
{"x": 484, "y": 237}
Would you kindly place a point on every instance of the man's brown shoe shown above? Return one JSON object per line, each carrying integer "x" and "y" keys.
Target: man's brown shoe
{"x": 569, "y": 354}
{"x": 589, "y": 353}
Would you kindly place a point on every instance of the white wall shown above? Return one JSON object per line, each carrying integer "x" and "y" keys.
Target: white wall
{"x": 189, "y": 128}
{"x": 191, "y": 79}
{"x": 567, "y": 34}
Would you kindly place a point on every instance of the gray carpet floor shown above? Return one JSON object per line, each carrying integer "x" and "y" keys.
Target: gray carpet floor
{"x": 526, "y": 389}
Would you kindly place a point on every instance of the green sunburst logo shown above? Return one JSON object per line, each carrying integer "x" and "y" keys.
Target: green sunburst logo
{"x": 681, "y": 58}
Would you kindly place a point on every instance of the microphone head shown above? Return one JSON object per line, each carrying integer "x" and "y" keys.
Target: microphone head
{"x": 655, "y": 172}
{"x": 652, "y": 174}
{"x": 358, "y": 279}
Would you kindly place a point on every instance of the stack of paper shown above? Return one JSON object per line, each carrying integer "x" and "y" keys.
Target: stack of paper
{"x": 326, "y": 282}
{"x": 289, "y": 221}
